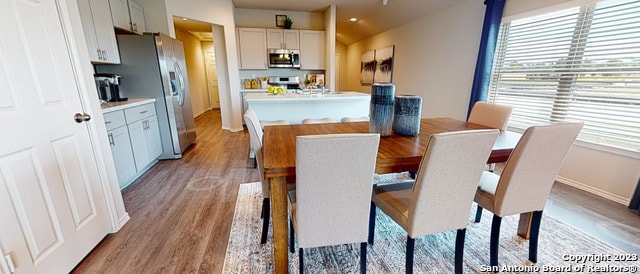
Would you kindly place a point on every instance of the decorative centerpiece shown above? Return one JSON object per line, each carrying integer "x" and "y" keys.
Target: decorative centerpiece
{"x": 276, "y": 90}
{"x": 381, "y": 108}
{"x": 407, "y": 114}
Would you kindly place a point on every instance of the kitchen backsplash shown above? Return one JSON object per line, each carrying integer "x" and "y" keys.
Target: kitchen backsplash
{"x": 280, "y": 72}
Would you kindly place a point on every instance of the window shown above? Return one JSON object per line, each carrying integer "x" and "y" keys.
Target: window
{"x": 579, "y": 64}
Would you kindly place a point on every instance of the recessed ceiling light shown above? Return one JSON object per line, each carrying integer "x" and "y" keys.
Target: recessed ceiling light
{"x": 353, "y": 19}
{"x": 185, "y": 18}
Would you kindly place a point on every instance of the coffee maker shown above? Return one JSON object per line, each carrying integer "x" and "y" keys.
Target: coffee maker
{"x": 108, "y": 87}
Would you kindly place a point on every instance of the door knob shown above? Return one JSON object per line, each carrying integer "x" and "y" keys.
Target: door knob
{"x": 81, "y": 117}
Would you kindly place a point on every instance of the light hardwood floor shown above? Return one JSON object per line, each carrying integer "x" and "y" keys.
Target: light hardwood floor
{"x": 181, "y": 210}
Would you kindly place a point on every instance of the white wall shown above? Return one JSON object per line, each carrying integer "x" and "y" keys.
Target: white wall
{"x": 435, "y": 58}
{"x": 254, "y": 18}
{"x": 217, "y": 12}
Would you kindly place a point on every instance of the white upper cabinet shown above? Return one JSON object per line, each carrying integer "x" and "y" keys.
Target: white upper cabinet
{"x": 312, "y": 49}
{"x": 283, "y": 39}
{"x": 98, "y": 31}
{"x": 128, "y": 15}
{"x": 252, "y": 44}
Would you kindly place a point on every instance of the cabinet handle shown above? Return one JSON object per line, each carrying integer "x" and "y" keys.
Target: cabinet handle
{"x": 135, "y": 26}
{"x": 130, "y": 25}
{"x": 143, "y": 112}
{"x": 111, "y": 142}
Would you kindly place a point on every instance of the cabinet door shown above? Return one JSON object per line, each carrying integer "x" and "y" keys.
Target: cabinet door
{"x": 275, "y": 38}
{"x": 122, "y": 155}
{"x": 120, "y": 14}
{"x": 98, "y": 30}
{"x": 139, "y": 143}
{"x": 253, "y": 48}
{"x": 291, "y": 39}
{"x": 152, "y": 136}
{"x": 138, "y": 22}
{"x": 312, "y": 49}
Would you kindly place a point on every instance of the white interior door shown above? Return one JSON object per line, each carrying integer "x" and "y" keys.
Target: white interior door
{"x": 52, "y": 209}
{"x": 212, "y": 78}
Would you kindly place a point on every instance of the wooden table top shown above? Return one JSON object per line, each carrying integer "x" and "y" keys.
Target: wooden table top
{"x": 395, "y": 154}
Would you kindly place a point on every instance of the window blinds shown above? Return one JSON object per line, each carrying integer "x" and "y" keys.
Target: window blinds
{"x": 579, "y": 64}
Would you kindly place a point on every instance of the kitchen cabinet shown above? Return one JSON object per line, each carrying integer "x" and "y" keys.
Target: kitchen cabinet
{"x": 283, "y": 39}
{"x": 118, "y": 134}
{"x": 252, "y": 45}
{"x": 128, "y": 15}
{"x": 134, "y": 137}
{"x": 98, "y": 30}
{"x": 312, "y": 49}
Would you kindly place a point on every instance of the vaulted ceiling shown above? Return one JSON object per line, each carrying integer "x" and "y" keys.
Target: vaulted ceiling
{"x": 373, "y": 15}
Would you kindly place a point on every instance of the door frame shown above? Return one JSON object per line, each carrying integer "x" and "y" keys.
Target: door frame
{"x": 83, "y": 72}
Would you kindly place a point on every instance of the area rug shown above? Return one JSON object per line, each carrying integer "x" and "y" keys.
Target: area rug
{"x": 561, "y": 248}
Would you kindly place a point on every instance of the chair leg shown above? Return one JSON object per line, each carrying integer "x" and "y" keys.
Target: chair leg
{"x": 372, "y": 222}
{"x": 409, "y": 262}
{"x": 292, "y": 236}
{"x": 533, "y": 236}
{"x": 495, "y": 240}
{"x": 301, "y": 259}
{"x": 459, "y": 250}
{"x": 363, "y": 258}
{"x": 266, "y": 208}
{"x": 478, "y": 214}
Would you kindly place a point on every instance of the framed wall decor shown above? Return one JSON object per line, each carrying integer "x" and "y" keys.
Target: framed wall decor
{"x": 280, "y": 20}
{"x": 384, "y": 65}
{"x": 367, "y": 67}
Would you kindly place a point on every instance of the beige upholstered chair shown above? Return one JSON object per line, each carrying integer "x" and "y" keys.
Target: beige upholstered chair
{"x": 319, "y": 121}
{"x": 354, "y": 119}
{"x": 331, "y": 203}
{"x": 251, "y": 114}
{"x": 255, "y": 138}
{"x": 441, "y": 197}
{"x": 526, "y": 180}
{"x": 490, "y": 115}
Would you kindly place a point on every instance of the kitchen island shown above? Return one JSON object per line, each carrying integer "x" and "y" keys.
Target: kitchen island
{"x": 295, "y": 107}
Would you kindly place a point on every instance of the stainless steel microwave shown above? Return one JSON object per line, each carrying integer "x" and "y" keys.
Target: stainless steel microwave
{"x": 284, "y": 58}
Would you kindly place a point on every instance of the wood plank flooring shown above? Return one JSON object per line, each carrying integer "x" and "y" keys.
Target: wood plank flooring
{"x": 181, "y": 210}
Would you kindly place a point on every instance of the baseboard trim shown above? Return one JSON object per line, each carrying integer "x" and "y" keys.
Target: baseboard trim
{"x": 593, "y": 190}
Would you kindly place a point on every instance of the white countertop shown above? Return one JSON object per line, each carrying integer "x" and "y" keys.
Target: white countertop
{"x": 132, "y": 102}
{"x": 341, "y": 95}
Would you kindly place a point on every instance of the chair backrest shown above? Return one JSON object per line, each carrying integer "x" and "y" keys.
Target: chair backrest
{"x": 490, "y": 115}
{"x": 255, "y": 137}
{"x": 447, "y": 180}
{"x": 319, "y": 121}
{"x": 532, "y": 167}
{"x": 334, "y": 182}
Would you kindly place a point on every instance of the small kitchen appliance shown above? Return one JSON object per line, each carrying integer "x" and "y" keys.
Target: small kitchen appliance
{"x": 109, "y": 87}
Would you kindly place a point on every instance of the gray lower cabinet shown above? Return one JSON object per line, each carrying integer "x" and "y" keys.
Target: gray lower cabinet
{"x": 134, "y": 137}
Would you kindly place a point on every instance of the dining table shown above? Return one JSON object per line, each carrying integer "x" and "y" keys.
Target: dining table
{"x": 396, "y": 153}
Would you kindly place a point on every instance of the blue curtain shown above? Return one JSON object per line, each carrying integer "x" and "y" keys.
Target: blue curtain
{"x": 490, "y": 28}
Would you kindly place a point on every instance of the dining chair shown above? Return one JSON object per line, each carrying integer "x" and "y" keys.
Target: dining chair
{"x": 525, "y": 181}
{"x": 354, "y": 119}
{"x": 255, "y": 138}
{"x": 332, "y": 199}
{"x": 319, "y": 121}
{"x": 440, "y": 199}
{"x": 490, "y": 115}
{"x": 251, "y": 114}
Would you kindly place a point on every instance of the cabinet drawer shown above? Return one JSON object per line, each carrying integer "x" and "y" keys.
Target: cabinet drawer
{"x": 114, "y": 119}
{"x": 139, "y": 112}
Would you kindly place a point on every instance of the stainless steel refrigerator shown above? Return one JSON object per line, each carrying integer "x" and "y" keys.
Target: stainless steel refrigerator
{"x": 153, "y": 66}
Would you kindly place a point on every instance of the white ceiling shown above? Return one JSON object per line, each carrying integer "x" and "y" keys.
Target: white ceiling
{"x": 374, "y": 17}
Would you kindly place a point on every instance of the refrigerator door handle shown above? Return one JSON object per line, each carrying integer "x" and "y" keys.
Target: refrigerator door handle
{"x": 180, "y": 83}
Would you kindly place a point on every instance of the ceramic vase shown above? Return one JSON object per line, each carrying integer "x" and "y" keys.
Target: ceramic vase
{"x": 381, "y": 108}
{"x": 407, "y": 114}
